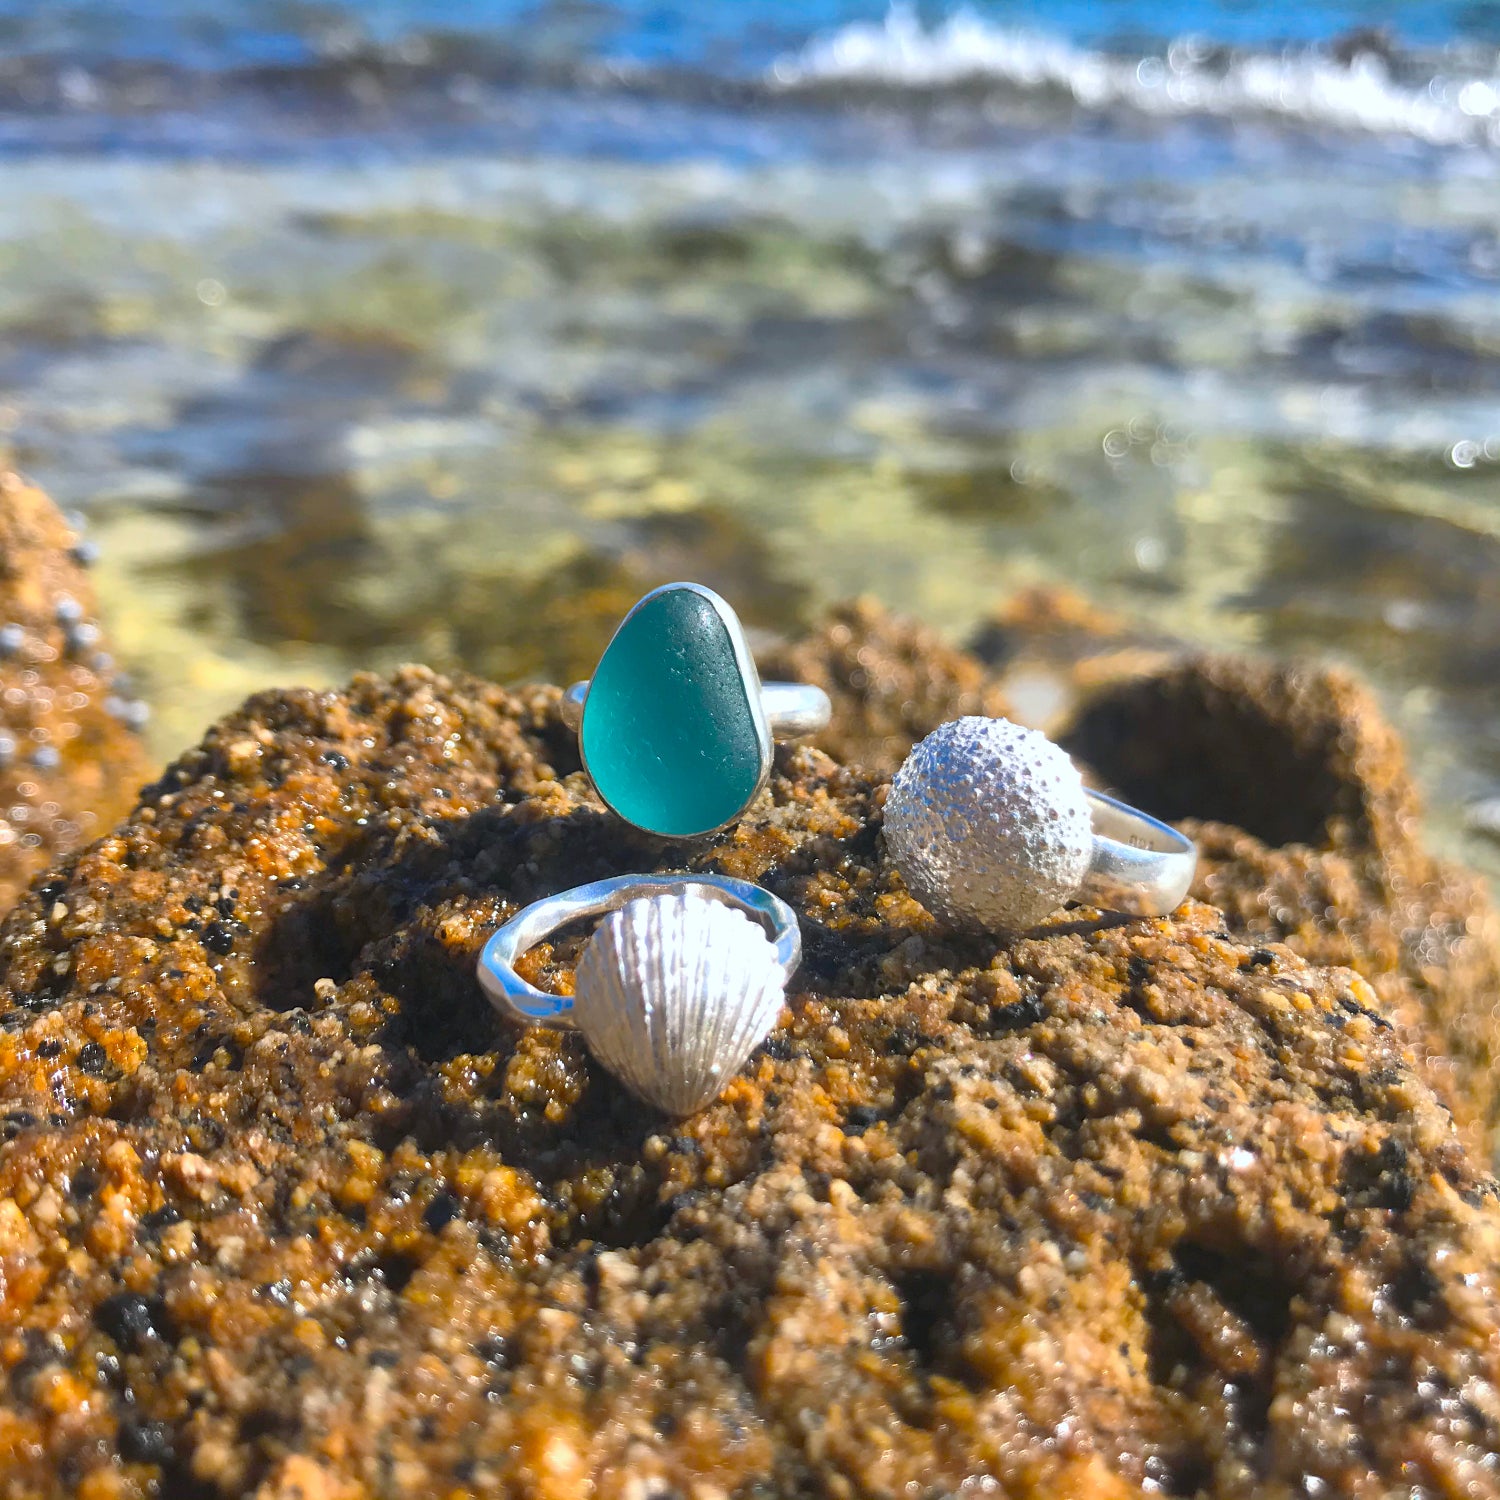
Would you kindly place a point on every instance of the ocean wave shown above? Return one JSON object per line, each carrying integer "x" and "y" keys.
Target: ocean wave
{"x": 1360, "y": 86}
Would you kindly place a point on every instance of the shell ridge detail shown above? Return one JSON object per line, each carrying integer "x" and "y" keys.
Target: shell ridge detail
{"x": 673, "y": 993}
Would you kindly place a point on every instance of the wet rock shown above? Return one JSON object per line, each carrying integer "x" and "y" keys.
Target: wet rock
{"x": 891, "y": 680}
{"x": 1113, "y": 1208}
{"x": 1290, "y": 778}
{"x": 69, "y": 763}
{"x": 1308, "y": 821}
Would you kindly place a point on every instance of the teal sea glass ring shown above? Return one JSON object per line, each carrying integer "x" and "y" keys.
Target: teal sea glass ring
{"x": 675, "y": 727}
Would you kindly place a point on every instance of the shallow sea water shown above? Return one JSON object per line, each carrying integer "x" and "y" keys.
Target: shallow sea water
{"x": 394, "y": 332}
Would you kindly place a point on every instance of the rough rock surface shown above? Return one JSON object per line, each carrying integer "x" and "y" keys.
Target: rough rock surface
{"x": 1112, "y": 1209}
{"x": 891, "y": 681}
{"x": 1298, "y": 793}
{"x": 69, "y": 765}
{"x": 1295, "y": 786}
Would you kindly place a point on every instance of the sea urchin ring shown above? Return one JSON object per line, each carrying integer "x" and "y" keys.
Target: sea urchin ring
{"x": 992, "y": 828}
{"x": 675, "y": 727}
{"x": 677, "y": 987}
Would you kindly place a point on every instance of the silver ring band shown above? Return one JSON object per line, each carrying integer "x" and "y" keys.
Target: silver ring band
{"x": 1139, "y": 865}
{"x": 517, "y": 1000}
{"x": 792, "y": 709}
{"x": 991, "y": 828}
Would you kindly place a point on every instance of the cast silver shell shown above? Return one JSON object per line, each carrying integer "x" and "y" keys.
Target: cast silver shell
{"x": 673, "y": 993}
{"x": 989, "y": 825}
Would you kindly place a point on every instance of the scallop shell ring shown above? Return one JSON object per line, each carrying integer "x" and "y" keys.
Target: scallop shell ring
{"x": 676, "y": 988}
{"x": 992, "y": 829}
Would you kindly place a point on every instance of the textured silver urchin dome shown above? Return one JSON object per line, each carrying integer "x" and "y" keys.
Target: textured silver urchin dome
{"x": 989, "y": 825}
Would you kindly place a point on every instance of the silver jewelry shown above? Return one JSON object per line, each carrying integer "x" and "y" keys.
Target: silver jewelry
{"x": 675, "y": 728}
{"x": 677, "y": 987}
{"x": 992, "y": 827}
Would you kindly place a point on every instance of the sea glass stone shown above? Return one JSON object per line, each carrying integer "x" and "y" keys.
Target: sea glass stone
{"x": 669, "y": 733}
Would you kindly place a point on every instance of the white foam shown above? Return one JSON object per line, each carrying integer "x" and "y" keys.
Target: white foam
{"x": 1308, "y": 85}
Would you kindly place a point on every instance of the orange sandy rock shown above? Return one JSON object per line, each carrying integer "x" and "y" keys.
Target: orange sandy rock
{"x": 1051, "y": 647}
{"x": 1114, "y": 1208}
{"x": 1295, "y": 786}
{"x": 891, "y": 681}
{"x": 69, "y": 767}
{"x": 1298, "y": 792}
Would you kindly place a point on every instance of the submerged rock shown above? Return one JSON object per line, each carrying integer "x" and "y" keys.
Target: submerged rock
{"x": 1115, "y": 1208}
{"x": 70, "y": 759}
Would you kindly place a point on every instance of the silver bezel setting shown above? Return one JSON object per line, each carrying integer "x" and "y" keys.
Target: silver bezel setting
{"x": 575, "y": 704}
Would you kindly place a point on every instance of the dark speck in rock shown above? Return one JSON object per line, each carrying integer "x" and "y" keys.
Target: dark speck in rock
{"x": 145, "y": 1442}
{"x": 443, "y": 1208}
{"x": 131, "y": 1320}
{"x": 218, "y": 937}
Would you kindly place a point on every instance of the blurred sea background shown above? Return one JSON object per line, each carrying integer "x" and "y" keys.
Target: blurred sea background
{"x": 399, "y": 329}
